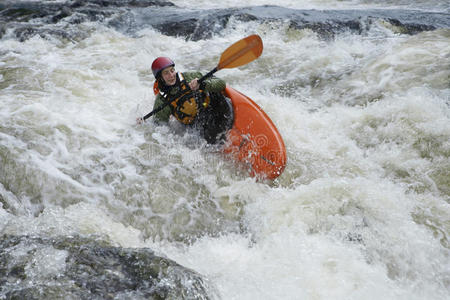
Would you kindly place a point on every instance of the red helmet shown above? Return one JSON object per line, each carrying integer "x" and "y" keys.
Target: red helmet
{"x": 160, "y": 64}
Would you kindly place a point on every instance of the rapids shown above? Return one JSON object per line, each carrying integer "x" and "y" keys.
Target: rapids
{"x": 361, "y": 212}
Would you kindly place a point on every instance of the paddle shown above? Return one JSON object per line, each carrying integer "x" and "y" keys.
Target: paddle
{"x": 240, "y": 53}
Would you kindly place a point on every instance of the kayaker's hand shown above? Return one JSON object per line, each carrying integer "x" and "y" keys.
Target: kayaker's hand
{"x": 194, "y": 85}
{"x": 139, "y": 120}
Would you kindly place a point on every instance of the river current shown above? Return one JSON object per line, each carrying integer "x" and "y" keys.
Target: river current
{"x": 361, "y": 211}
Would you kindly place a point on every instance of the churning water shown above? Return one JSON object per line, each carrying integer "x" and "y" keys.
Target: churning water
{"x": 361, "y": 212}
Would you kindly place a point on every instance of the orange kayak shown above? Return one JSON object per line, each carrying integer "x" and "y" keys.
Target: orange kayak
{"x": 254, "y": 140}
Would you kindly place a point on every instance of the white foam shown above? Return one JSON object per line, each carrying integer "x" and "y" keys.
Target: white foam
{"x": 360, "y": 212}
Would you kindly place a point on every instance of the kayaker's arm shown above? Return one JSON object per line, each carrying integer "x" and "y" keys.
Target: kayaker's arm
{"x": 164, "y": 114}
{"x": 212, "y": 84}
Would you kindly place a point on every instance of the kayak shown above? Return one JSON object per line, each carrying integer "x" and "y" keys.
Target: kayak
{"x": 250, "y": 136}
{"x": 253, "y": 139}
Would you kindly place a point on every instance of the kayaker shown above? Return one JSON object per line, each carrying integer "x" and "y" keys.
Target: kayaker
{"x": 198, "y": 105}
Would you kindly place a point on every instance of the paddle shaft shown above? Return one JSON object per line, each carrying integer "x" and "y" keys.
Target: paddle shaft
{"x": 210, "y": 73}
{"x": 156, "y": 110}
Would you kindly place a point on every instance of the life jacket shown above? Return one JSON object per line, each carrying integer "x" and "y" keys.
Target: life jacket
{"x": 186, "y": 104}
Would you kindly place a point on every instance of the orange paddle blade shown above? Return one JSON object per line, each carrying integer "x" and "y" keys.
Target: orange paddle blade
{"x": 242, "y": 52}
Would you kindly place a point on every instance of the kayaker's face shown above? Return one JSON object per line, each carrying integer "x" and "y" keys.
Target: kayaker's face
{"x": 169, "y": 75}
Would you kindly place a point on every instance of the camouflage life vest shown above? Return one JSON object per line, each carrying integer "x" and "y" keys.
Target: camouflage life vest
{"x": 186, "y": 104}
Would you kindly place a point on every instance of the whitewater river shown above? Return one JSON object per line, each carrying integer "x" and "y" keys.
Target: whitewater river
{"x": 362, "y": 210}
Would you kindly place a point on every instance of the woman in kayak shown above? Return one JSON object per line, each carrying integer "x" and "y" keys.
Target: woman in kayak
{"x": 196, "y": 104}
